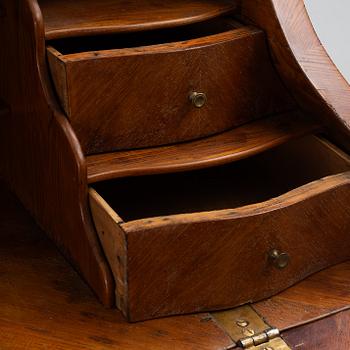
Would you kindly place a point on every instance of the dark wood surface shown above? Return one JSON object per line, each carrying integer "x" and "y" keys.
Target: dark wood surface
{"x": 44, "y": 163}
{"x": 87, "y": 17}
{"x": 162, "y": 248}
{"x": 331, "y": 333}
{"x": 139, "y": 97}
{"x": 303, "y": 62}
{"x": 40, "y": 155}
{"x": 238, "y": 143}
{"x": 318, "y": 296}
{"x": 44, "y": 304}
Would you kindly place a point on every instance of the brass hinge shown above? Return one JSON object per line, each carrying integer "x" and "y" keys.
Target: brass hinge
{"x": 264, "y": 338}
{"x": 248, "y": 330}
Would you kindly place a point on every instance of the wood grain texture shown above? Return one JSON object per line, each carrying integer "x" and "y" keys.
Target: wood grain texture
{"x": 41, "y": 158}
{"x": 88, "y": 17}
{"x": 114, "y": 242}
{"x": 139, "y": 97}
{"x": 44, "y": 163}
{"x": 303, "y": 63}
{"x": 329, "y": 333}
{"x": 178, "y": 288}
{"x": 320, "y": 295}
{"x": 44, "y": 304}
{"x": 238, "y": 143}
{"x": 309, "y": 223}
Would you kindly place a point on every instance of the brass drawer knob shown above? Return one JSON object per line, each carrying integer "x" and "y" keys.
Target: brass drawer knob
{"x": 279, "y": 259}
{"x": 198, "y": 99}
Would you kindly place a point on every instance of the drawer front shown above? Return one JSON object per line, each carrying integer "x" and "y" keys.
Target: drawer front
{"x": 219, "y": 260}
{"x": 221, "y": 237}
{"x": 140, "y": 97}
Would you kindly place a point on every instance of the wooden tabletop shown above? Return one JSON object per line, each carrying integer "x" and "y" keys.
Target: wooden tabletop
{"x": 44, "y": 304}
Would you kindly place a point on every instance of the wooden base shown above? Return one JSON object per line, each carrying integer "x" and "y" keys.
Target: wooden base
{"x": 45, "y": 305}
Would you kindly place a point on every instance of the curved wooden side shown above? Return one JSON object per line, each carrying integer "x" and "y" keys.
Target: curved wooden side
{"x": 41, "y": 157}
{"x": 303, "y": 63}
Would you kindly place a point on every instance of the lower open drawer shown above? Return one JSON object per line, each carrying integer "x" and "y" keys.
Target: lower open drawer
{"x": 220, "y": 237}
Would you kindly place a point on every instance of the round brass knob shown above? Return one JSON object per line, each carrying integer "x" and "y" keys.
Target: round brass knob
{"x": 279, "y": 259}
{"x": 199, "y": 99}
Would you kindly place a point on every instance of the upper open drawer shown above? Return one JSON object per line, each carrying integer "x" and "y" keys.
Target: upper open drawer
{"x": 160, "y": 87}
{"x": 220, "y": 237}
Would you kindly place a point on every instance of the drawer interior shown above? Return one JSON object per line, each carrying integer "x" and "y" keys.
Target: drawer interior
{"x": 256, "y": 179}
{"x": 74, "y": 45}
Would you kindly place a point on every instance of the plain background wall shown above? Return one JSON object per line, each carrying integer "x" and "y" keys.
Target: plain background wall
{"x": 331, "y": 19}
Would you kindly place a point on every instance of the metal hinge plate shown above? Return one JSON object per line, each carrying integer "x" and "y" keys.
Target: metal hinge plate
{"x": 248, "y": 330}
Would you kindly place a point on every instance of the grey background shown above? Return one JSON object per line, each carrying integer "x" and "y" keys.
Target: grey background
{"x": 331, "y": 19}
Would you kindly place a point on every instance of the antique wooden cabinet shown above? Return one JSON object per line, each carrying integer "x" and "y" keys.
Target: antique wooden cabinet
{"x": 185, "y": 156}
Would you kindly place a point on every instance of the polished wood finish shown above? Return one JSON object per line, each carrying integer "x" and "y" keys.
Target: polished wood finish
{"x": 110, "y": 109}
{"x": 238, "y": 143}
{"x": 326, "y": 334}
{"x": 87, "y": 17}
{"x": 44, "y": 304}
{"x": 44, "y": 160}
{"x": 321, "y": 295}
{"x": 161, "y": 248}
{"x": 41, "y": 157}
{"x": 303, "y": 62}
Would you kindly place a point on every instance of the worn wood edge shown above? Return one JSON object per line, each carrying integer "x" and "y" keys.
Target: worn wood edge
{"x": 61, "y": 33}
{"x": 288, "y": 199}
{"x": 59, "y": 77}
{"x": 241, "y": 33}
{"x": 114, "y": 242}
{"x": 98, "y": 200}
{"x": 186, "y": 156}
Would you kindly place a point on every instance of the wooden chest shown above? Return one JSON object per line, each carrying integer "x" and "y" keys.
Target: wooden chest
{"x": 185, "y": 156}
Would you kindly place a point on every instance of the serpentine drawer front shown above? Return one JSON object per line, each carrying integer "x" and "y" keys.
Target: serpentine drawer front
{"x": 216, "y": 238}
{"x": 153, "y": 88}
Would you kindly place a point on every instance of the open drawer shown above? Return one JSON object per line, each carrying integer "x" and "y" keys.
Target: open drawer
{"x": 135, "y": 90}
{"x": 216, "y": 238}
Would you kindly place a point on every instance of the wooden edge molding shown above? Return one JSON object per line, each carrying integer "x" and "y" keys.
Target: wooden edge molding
{"x": 229, "y": 146}
{"x": 62, "y": 20}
